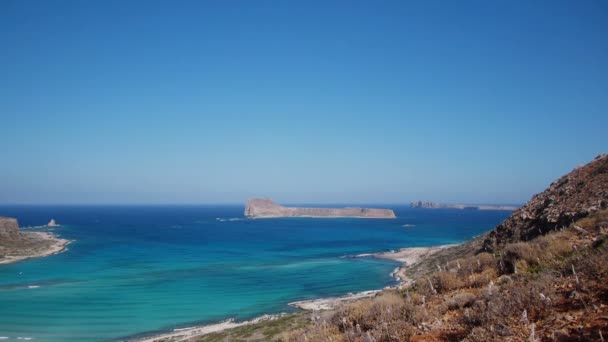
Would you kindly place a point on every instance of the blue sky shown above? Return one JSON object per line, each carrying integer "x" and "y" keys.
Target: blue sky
{"x": 309, "y": 101}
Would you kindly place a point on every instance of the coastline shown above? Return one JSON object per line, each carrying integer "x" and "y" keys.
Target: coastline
{"x": 187, "y": 333}
{"x": 406, "y": 256}
{"x": 57, "y": 245}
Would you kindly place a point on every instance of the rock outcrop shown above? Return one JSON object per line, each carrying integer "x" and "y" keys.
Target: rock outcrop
{"x": 9, "y": 230}
{"x": 571, "y": 197}
{"x": 267, "y": 208}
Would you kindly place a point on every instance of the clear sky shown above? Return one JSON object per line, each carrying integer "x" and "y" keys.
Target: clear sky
{"x": 302, "y": 101}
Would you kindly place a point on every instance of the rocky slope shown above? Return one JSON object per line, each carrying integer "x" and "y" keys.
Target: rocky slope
{"x": 571, "y": 197}
{"x": 267, "y": 208}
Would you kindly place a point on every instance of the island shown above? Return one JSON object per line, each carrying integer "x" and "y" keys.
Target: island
{"x": 435, "y": 205}
{"x": 16, "y": 245}
{"x": 267, "y": 208}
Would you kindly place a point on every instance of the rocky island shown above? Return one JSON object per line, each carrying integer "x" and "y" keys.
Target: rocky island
{"x": 16, "y": 245}
{"x": 267, "y": 208}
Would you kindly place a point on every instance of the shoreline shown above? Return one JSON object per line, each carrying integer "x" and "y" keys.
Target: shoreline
{"x": 183, "y": 334}
{"x": 406, "y": 256}
{"x": 57, "y": 246}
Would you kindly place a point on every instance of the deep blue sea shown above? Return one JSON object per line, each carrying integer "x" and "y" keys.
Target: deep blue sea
{"x": 143, "y": 269}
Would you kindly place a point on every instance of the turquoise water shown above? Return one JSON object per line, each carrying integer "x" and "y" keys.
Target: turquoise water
{"x": 143, "y": 269}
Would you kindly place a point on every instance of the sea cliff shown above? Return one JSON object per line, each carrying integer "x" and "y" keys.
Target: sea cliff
{"x": 267, "y": 208}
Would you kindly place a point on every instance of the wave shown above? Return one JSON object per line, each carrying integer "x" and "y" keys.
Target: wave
{"x": 34, "y": 227}
{"x": 356, "y": 256}
{"x": 232, "y": 219}
{"x": 33, "y": 286}
{"x": 183, "y": 329}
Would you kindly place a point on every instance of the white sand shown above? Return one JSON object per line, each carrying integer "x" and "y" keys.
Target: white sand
{"x": 331, "y": 302}
{"x": 409, "y": 257}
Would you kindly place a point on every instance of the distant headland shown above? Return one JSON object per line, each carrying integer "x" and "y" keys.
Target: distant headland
{"x": 16, "y": 245}
{"x": 267, "y": 208}
{"x": 435, "y": 205}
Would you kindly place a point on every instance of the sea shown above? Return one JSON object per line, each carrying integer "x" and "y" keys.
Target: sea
{"x": 133, "y": 271}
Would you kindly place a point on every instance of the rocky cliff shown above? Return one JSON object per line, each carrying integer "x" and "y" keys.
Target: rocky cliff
{"x": 571, "y": 197}
{"x": 267, "y": 208}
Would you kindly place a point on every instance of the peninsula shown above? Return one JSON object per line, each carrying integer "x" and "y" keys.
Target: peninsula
{"x": 267, "y": 208}
{"x": 16, "y": 245}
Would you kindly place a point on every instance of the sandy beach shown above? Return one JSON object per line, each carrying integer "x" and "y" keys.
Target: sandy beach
{"x": 49, "y": 245}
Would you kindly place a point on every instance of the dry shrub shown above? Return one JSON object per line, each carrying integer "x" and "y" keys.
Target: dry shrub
{"x": 423, "y": 287}
{"x": 592, "y": 265}
{"x": 412, "y": 297}
{"x": 520, "y": 251}
{"x": 461, "y": 300}
{"x": 478, "y": 280}
{"x": 387, "y": 317}
{"x": 595, "y": 221}
{"x": 352, "y": 314}
{"x": 446, "y": 281}
{"x": 504, "y": 279}
{"x": 393, "y": 331}
{"x": 499, "y": 314}
{"x": 318, "y": 331}
{"x": 468, "y": 265}
{"x": 553, "y": 246}
{"x": 367, "y": 313}
{"x": 480, "y": 334}
{"x": 486, "y": 260}
{"x": 386, "y": 307}
{"x": 521, "y": 266}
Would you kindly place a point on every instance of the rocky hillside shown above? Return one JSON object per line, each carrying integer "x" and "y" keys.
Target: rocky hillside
{"x": 573, "y": 196}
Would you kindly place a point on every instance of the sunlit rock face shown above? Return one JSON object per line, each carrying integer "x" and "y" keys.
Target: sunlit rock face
{"x": 576, "y": 195}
